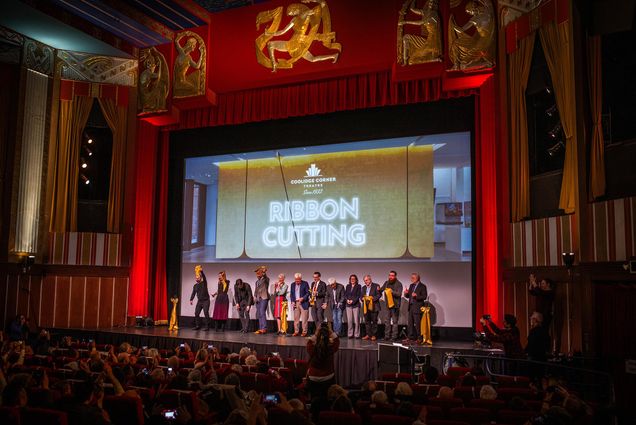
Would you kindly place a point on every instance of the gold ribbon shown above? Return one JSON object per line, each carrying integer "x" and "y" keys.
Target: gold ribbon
{"x": 367, "y": 299}
{"x": 173, "y": 316}
{"x": 425, "y": 325}
{"x": 224, "y": 285}
{"x": 389, "y": 297}
{"x": 283, "y": 316}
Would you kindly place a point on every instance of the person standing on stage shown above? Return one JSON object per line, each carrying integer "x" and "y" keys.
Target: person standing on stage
{"x": 392, "y": 290}
{"x": 300, "y": 303}
{"x": 261, "y": 295}
{"x": 243, "y": 300}
{"x": 352, "y": 296}
{"x": 200, "y": 289}
{"x": 370, "y": 300}
{"x": 335, "y": 303}
{"x": 222, "y": 303}
{"x": 280, "y": 292}
{"x": 317, "y": 299}
{"x": 417, "y": 295}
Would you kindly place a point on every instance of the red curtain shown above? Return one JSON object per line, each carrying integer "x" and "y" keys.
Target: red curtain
{"x": 141, "y": 270}
{"x": 160, "y": 285}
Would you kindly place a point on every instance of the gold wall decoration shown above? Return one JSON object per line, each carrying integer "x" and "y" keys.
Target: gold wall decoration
{"x": 472, "y": 46}
{"x": 426, "y": 47}
{"x": 189, "y": 74}
{"x": 154, "y": 81}
{"x": 97, "y": 69}
{"x": 305, "y": 27}
{"x": 10, "y": 46}
{"x": 38, "y": 57}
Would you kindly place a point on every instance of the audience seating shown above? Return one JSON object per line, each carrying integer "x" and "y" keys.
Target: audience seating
{"x": 397, "y": 377}
{"x": 10, "y": 415}
{"x": 472, "y": 415}
{"x": 508, "y": 393}
{"x": 423, "y": 392}
{"x": 447, "y": 381}
{"x": 493, "y": 406}
{"x": 466, "y": 393}
{"x": 298, "y": 369}
{"x": 124, "y": 410}
{"x": 32, "y": 415}
{"x": 390, "y": 419}
{"x": 172, "y": 399}
{"x": 259, "y": 382}
{"x": 513, "y": 381}
{"x": 329, "y": 417}
{"x": 457, "y": 371}
{"x": 387, "y": 386}
{"x": 445, "y": 422}
{"x": 515, "y": 417}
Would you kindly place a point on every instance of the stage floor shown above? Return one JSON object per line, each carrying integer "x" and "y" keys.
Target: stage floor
{"x": 356, "y": 361}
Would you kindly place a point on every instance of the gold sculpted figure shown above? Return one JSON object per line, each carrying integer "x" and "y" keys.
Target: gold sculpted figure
{"x": 153, "y": 81}
{"x": 174, "y": 325}
{"x": 305, "y": 26}
{"x": 427, "y": 47}
{"x": 471, "y": 46}
{"x": 189, "y": 75}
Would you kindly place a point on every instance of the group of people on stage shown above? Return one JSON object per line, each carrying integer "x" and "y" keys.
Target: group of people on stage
{"x": 326, "y": 301}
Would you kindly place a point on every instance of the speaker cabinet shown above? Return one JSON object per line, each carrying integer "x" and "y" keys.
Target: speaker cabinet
{"x": 395, "y": 359}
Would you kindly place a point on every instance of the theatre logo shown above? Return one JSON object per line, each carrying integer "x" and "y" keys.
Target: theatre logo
{"x": 313, "y": 182}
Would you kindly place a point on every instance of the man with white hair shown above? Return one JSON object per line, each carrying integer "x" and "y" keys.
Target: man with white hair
{"x": 538, "y": 339}
{"x": 335, "y": 303}
{"x": 300, "y": 303}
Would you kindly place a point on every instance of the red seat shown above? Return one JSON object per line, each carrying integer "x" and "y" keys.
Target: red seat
{"x": 446, "y": 422}
{"x": 466, "y": 393}
{"x": 387, "y": 386}
{"x": 32, "y": 415}
{"x": 366, "y": 409}
{"x": 390, "y": 419}
{"x": 10, "y": 415}
{"x": 434, "y": 412}
{"x": 422, "y": 392}
{"x": 447, "y": 381}
{"x": 482, "y": 380}
{"x": 513, "y": 381}
{"x": 515, "y": 417}
{"x": 507, "y": 393}
{"x": 298, "y": 369}
{"x": 258, "y": 382}
{"x": 472, "y": 415}
{"x": 329, "y": 417}
{"x": 457, "y": 371}
{"x": 124, "y": 410}
{"x": 446, "y": 404}
{"x": 172, "y": 399}
{"x": 397, "y": 377}
{"x": 493, "y": 406}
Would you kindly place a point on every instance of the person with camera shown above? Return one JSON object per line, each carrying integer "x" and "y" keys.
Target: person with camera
{"x": 321, "y": 348}
{"x": 508, "y": 336}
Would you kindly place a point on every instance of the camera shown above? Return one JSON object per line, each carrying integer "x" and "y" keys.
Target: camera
{"x": 170, "y": 414}
{"x": 272, "y": 398}
{"x": 145, "y": 371}
{"x": 486, "y": 317}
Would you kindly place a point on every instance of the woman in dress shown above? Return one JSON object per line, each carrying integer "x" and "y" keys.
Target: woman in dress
{"x": 222, "y": 303}
{"x": 280, "y": 292}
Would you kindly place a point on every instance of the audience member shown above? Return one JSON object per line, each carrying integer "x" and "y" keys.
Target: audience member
{"x": 487, "y": 392}
{"x": 446, "y": 393}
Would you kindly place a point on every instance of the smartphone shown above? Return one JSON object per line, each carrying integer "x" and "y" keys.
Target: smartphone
{"x": 145, "y": 347}
{"x": 275, "y": 353}
{"x": 272, "y": 398}
{"x": 170, "y": 414}
{"x": 182, "y": 345}
{"x": 210, "y": 346}
{"x": 146, "y": 372}
{"x": 169, "y": 370}
{"x": 90, "y": 341}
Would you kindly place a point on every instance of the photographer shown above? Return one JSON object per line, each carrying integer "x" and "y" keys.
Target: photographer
{"x": 508, "y": 336}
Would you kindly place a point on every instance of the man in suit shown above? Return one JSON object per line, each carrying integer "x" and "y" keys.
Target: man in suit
{"x": 300, "y": 302}
{"x": 370, "y": 300}
{"x": 261, "y": 296}
{"x": 392, "y": 290}
{"x": 317, "y": 299}
{"x": 416, "y": 294}
{"x": 200, "y": 290}
{"x": 334, "y": 303}
{"x": 243, "y": 300}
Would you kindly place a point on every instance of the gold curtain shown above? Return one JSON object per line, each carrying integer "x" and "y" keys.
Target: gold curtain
{"x": 518, "y": 71}
{"x": 73, "y": 115}
{"x": 556, "y": 40}
{"x": 597, "y": 149}
{"x": 116, "y": 117}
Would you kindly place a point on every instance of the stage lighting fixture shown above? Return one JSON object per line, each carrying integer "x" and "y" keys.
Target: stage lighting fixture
{"x": 554, "y": 149}
{"x": 26, "y": 261}
{"x": 149, "y": 322}
{"x": 86, "y": 179}
{"x": 88, "y": 151}
{"x": 89, "y": 141}
{"x": 83, "y": 162}
{"x": 551, "y": 110}
{"x": 555, "y": 130}
{"x": 568, "y": 259}
{"x": 139, "y": 321}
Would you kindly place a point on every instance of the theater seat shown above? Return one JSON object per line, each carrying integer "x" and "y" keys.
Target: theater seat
{"x": 390, "y": 419}
{"x": 10, "y": 415}
{"x": 329, "y": 417}
{"x": 32, "y": 415}
{"x": 457, "y": 371}
{"x": 259, "y": 382}
{"x": 397, "y": 377}
{"x": 298, "y": 369}
{"x": 445, "y": 422}
{"x": 515, "y": 417}
{"x": 387, "y": 386}
{"x": 423, "y": 392}
{"x": 513, "y": 381}
{"x": 493, "y": 406}
{"x": 124, "y": 410}
{"x": 172, "y": 399}
{"x": 508, "y": 393}
{"x": 472, "y": 415}
{"x": 466, "y": 393}
{"x": 447, "y": 381}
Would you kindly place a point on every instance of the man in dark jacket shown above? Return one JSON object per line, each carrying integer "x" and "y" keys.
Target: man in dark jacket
{"x": 416, "y": 294}
{"x": 370, "y": 300}
{"x": 392, "y": 290}
{"x": 318, "y": 291}
{"x": 243, "y": 301}
{"x": 335, "y": 304}
{"x": 200, "y": 289}
{"x": 261, "y": 298}
{"x": 538, "y": 339}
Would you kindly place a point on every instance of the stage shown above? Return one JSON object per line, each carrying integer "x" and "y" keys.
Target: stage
{"x": 356, "y": 361}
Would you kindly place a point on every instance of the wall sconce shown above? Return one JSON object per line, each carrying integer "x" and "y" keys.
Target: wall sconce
{"x": 568, "y": 259}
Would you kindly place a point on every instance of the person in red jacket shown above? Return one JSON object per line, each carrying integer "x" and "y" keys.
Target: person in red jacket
{"x": 321, "y": 372}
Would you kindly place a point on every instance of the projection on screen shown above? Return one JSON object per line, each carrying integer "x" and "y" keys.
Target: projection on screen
{"x": 403, "y": 198}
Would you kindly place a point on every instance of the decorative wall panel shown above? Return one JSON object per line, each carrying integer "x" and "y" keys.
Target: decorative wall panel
{"x": 97, "y": 69}
{"x": 90, "y": 249}
{"x": 614, "y": 229}
{"x": 540, "y": 242}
